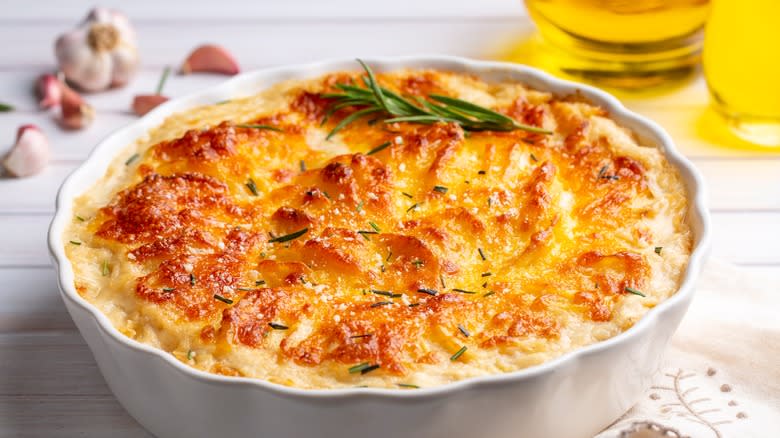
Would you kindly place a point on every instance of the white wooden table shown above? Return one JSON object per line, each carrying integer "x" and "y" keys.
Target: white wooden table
{"x": 49, "y": 383}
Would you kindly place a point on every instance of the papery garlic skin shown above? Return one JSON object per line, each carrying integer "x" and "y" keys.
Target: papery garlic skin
{"x": 30, "y": 154}
{"x": 101, "y": 53}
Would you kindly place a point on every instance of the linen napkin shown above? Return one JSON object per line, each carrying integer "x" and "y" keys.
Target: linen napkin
{"x": 720, "y": 376}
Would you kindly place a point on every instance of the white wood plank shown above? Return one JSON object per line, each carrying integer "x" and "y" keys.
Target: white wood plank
{"x": 54, "y": 363}
{"x": 32, "y": 301}
{"x": 274, "y": 42}
{"x": 47, "y": 416}
{"x": 238, "y": 9}
{"x": 738, "y": 237}
{"x": 736, "y": 184}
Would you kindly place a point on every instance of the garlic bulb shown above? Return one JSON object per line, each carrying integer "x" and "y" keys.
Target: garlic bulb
{"x": 100, "y": 53}
{"x": 30, "y": 154}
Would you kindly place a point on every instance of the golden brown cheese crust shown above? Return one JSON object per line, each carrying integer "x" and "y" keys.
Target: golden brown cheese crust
{"x": 499, "y": 242}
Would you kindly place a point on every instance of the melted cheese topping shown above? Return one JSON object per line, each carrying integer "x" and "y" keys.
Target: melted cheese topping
{"x": 308, "y": 262}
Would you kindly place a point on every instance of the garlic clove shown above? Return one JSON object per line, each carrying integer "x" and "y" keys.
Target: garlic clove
{"x": 48, "y": 90}
{"x": 100, "y": 53}
{"x": 210, "y": 58}
{"x": 76, "y": 113}
{"x": 144, "y": 103}
{"x": 30, "y": 153}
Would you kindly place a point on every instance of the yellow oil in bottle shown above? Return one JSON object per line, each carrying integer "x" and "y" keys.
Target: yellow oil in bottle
{"x": 742, "y": 66}
{"x": 627, "y": 40}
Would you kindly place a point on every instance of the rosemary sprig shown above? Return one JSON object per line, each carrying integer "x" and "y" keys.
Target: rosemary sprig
{"x": 631, "y": 290}
{"x": 163, "y": 78}
{"x": 372, "y": 98}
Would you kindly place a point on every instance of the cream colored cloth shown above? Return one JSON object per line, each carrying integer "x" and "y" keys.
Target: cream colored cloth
{"x": 720, "y": 376}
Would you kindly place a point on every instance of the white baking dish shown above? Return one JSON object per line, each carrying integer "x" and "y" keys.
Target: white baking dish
{"x": 575, "y": 395}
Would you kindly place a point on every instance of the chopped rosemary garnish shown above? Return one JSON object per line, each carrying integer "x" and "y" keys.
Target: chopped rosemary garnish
{"x": 190, "y": 354}
{"x": 458, "y": 353}
{"x": 250, "y": 184}
{"x": 259, "y": 282}
{"x": 418, "y": 263}
{"x": 326, "y": 194}
{"x": 359, "y": 206}
{"x": 372, "y": 98}
{"x": 487, "y": 294}
{"x": 441, "y": 279}
{"x": 192, "y": 279}
{"x": 463, "y": 291}
{"x": 365, "y": 335}
{"x": 363, "y": 368}
{"x": 4, "y": 108}
{"x": 631, "y": 290}
{"x": 658, "y": 249}
{"x": 374, "y": 226}
{"x": 487, "y": 274}
{"x": 481, "y": 254}
{"x": 302, "y": 165}
{"x": 601, "y": 172}
{"x": 105, "y": 269}
{"x": 463, "y": 330}
{"x": 369, "y": 368}
{"x": 407, "y": 195}
{"x": 381, "y": 303}
{"x": 276, "y": 326}
{"x": 481, "y": 172}
{"x": 379, "y": 148}
{"x": 382, "y": 292}
{"x": 256, "y": 126}
{"x": 425, "y": 290}
{"x": 413, "y": 207}
{"x": 359, "y": 367}
{"x": 81, "y": 219}
{"x": 288, "y": 237}
{"x": 75, "y": 242}
{"x": 533, "y": 157}
{"x": 367, "y": 232}
{"x": 169, "y": 289}
{"x": 414, "y": 305}
{"x": 131, "y": 159}
{"x": 388, "y": 256}
{"x": 440, "y": 189}
{"x": 223, "y": 299}
{"x": 407, "y": 385}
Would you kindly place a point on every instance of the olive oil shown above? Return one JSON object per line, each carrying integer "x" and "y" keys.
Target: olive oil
{"x": 742, "y": 66}
{"x": 623, "y": 39}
